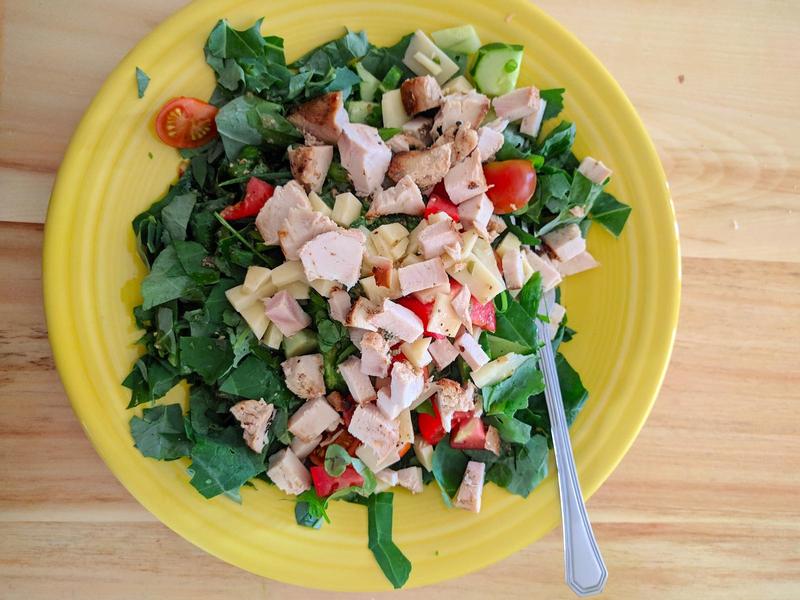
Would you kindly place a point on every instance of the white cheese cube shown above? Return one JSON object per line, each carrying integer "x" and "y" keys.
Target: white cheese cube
{"x": 256, "y": 318}
{"x": 346, "y": 209}
{"x": 394, "y": 115}
{"x": 318, "y": 204}
{"x": 255, "y": 278}
{"x": 417, "y": 352}
{"x": 288, "y": 272}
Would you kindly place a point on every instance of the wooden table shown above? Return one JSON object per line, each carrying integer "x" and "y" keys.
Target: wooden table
{"x": 706, "y": 504}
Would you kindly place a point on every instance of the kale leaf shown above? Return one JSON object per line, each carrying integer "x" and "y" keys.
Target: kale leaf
{"x": 159, "y": 433}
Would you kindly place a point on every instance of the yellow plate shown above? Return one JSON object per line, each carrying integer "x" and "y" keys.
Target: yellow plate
{"x": 626, "y": 311}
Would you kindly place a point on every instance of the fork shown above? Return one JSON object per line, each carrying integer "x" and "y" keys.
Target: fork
{"x": 584, "y": 570}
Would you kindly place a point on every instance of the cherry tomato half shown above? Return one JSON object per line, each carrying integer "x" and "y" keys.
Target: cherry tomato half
{"x": 511, "y": 184}
{"x": 186, "y": 122}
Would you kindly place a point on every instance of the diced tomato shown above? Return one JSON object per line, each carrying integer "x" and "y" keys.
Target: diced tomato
{"x": 423, "y": 310}
{"x": 430, "y": 426}
{"x": 439, "y": 201}
{"x": 482, "y": 315}
{"x": 468, "y": 434}
{"x": 325, "y": 485}
{"x": 511, "y": 184}
{"x": 186, "y": 122}
{"x": 255, "y": 197}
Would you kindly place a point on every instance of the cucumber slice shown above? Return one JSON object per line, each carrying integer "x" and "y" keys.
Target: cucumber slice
{"x": 302, "y": 342}
{"x": 359, "y": 111}
{"x": 369, "y": 83}
{"x": 457, "y": 39}
{"x": 497, "y": 67}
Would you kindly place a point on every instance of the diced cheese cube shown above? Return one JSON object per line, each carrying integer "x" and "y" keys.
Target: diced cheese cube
{"x": 373, "y": 291}
{"x": 374, "y": 462}
{"x": 273, "y": 337}
{"x": 255, "y": 278}
{"x": 497, "y": 370}
{"x": 417, "y": 352}
{"x": 421, "y": 46}
{"x": 406, "y": 428}
{"x": 240, "y": 299}
{"x": 510, "y": 242}
{"x": 256, "y": 318}
{"x": 346, "y": 209}
{"x": 556, "y": 315}
{"x": 443, "y": 319}
{"x": 325, "y": 287}
{"x": 390, "y": 240}
{"x": 288, "y": 272}
{"x": 298, "y": 290}
{"x": 318, "y": 204}
{"x": 394, "y": 115}
{"x": 483, "y": 282}
{"x": 424, "y": 452}
{"x": 457, "y": 85}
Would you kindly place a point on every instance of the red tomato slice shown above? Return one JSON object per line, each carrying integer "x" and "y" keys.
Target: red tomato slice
{"x": 468, "y": 434}
{"x": 483, "y": 315}
{"x": 186, "y": 122}
{"x": 439, "y": 201}
{"x": 325, "y": 485}
{"x": 255, "y": 197}
{"x": 511, "y": 184}
{"x": 423, "y": 310}
{"x": 430, "y": 426}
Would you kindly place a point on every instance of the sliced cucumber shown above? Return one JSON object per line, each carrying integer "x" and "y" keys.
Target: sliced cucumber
{"x": 457, "y": 39}
{"x": 369, "y": 83}
{"x": 302, "y": 342}
{"x": 497, "y": 67}
{"x": 359, "y": 111}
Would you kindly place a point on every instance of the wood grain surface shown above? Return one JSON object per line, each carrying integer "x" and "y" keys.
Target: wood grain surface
{"x": 707, "y": 502}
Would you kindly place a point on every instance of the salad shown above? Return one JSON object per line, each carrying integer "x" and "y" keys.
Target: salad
{"x": 348, "y": 270}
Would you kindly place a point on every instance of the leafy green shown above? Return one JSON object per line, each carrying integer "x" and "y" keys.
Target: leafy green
{"x": 195, "y": 262}
{"x": 514, "y": 324}
{"x": 336, "y": 460}
{"x": 510, "y": 429}
{"x": 391, "y": 560}
{"x": 511, "y": 394}
{"x": 521, "y": 467}
{"x": 555, "y": 102}
{"x": 379, "y": 61}
{"x": 210, "y": 358}
{"x": 160, "y": 433}
{"x": 557, "y": 146}
{"x": 142, "y": 81}
{"x": 219, "y": 467}
{"x": 610, "y": 213}
{"x": 167, "y": 281}
{"x": 310, "y": 509}
{"x": 255, "y": 379}
{"x": 150, "y": 379}
{"x": 250, "y": 121}
{"x": 448, "y": 467}
{"x": 175, "y": 216}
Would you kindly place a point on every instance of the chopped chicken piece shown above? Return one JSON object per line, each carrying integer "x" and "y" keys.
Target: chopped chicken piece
{"x": 512, "y": 269}
{"x": 337, "y": 401}
{"x": 471, "y": 488}
{"x": 339, "y": 304}
{"x": 594, "y": 170}
{"x": 334, "y": 255}
{"x": 398, "y": 321}
{"x": 420, "y": 128}
{"x": 407, "y": 383}
{"x": 300, "y": 226}
{"x": 422, "y": 275}
{"x": 565, "y": 242}
{"x": 471, "y": 351}
{"x": 374, "y": 462}
{"x": 364, "y": 156}
{"x": 382, "y": 270}
{"x": 436, "y": 237}
{"x": 463, "y": 138}
{"x": 556, "y": 315}
{"x": 255, "y": 417}
{"x": 358, "y": 384}
{"x": 469, "y": 108}
{"x": 323, "y": 117}
{"x": 452, "y": 398}
{"x": 386, "y": 478}
{"x": 443, "y": 352}
{"x": 404, "y": 198}
{"x": 425, "y": 167}
{"x": 303, "y": 375}
{"x": 302, "y": 449}
{"x": 476, "y": 212}
{"x": 310, "y": 164}
{"x": 492, "y": 443}
{"x": 531, "y": 124}
{"x": 466, "y": 180}
{"x": 420, "y": 94}
{"x": 375, "y": 355}
{"x": 288, "y": 473}
{"x": 489, "y": 142}
{"x": 286, "y": 314}
{"x": 411, "y": 479}
{"x": 462, "y": 303}
{"x": 271, "y": 217}
{"x": 577, "y": 264}
{"x": 517, "y": 104}
{"x": 312, "y": 418}
{"x": 542, "y": 264}
{"x": 498, "y": 125}
{"x": 403, "y": 142}
{"x": 371, "y": 427}
{"x": 495, "y": 227}
{"x": 361, "y": 315}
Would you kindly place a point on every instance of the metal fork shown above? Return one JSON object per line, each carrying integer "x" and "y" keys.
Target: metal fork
{"x": 584, "y": 569}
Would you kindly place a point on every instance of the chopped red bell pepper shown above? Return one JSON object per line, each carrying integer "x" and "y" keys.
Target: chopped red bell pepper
{"x": 482, "y": 315}
{"x": 430, "y": 426}
{"x": 325, "y": 484}
{"x": 439, "y": 201}
{"x": 423, "y": 310}
{"x": 255, "y": 197}
{"x": 468, "y": 434}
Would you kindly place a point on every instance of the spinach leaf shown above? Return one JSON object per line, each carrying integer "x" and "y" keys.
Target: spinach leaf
{"x": 255, "y": 379}
{"x": 336, "y": 460}
{"x": 555, "y": 102}
{"x": 610, "y": 213}
{"x": 218, "y": 467}
{"x": 142, "y": 81}
{"x": 150, "y": 379}
{"x": 167, "y": 281}
{"x": 448, "y": 467}
{"x": 496, "y": 346}
{"x": 226, "y": 42}
{"x": 208, "y": 357}
{"x": 530, "y": 295}
{"x": 573, "y": 395}
{"x": 269, "y": 122}
{"x": 510, "y": 429}
{"x": 336, "y": 53}
{"x": 204, "y": 409}
{"x": 522, "y": 467}
{"x": 195, "y": 262}
{"x": 160, "y": 433}
{"x": 557, "y": 146}
{"x": 391, "y": 560}
{"x": 165, "y": 342}
{"x": 511, "y": 394}
{"x": 514, "y": 323}
{"x": 147, "y": 225}
{"x": 310, "y": 509}
{"x": 235, "y": 127}
{"x": 175, "y": 217}
{"x": 379, "y": 61}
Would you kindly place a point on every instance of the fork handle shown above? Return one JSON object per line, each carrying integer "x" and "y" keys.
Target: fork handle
{"x": 584, "y": 570}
